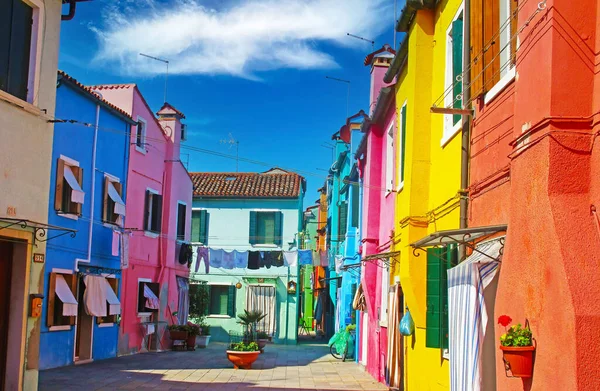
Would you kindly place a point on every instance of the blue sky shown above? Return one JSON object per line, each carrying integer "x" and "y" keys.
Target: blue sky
{"x": 254, "y": 69}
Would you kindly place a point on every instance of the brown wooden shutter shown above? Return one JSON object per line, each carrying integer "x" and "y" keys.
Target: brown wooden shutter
{"x": 491, "y": 39}
{"x": 105, "y": 200}
{"x": 78, "y": 172}
{"x": 114, "y": 284}
{"x": 514, "y": 11}
{"x": 71, "y": 280}
{"x": 476, "y": 48}
{"x": 58, "y": 191}
{"x": 147, "y": 210}
{"x": 51, "y": 299}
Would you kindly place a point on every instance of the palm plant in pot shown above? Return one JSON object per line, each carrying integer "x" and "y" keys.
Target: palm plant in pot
{"x": 517, "y": 348}
{"x": 249, "y": 320}
{"x": 243, "y": 354}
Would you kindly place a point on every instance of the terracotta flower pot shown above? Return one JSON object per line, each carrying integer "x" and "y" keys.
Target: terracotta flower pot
{"x": 242, "y": 360}
{"x": 261, "y": 344}
{"x": 518, "y": 359}
{"x": 191, "y": 342}
{"x": 177, "y": 335}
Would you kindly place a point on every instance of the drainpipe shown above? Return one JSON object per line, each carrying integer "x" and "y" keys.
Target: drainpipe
{"x": 287, "y": 306}
{"x": 71, "y": 14}
{"x": 92, "y": 195}
{"x": 466, "y": 119}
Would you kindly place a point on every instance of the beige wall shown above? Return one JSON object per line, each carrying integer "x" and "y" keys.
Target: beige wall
{"x": 25, "y": 154}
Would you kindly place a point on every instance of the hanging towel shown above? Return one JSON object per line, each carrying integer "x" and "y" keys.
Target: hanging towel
{"x": 290, "y": 258}
{"x": 202, "y": 255}
{"x": 324, "y": 258}
{"x": 267, "y": 259}
{"x": 116, "y": 241}
{"x": 125, "y": 250}
{"x": 339, "y": 261}
{"x": 305, "y": 257}
{"x": 152, "y": 301}
{"x": 149, "y": 329}
{"x": 277, "y": 258}
{"x": 254, "y": 260}
{"x": 185, "y": 254}
{"x": 215, "y": 257}
{"x": 316, "y": 259}
{"x": 228, "y": 259}
{"x": 94, "y": 296}
{"x": 240, "y": 259}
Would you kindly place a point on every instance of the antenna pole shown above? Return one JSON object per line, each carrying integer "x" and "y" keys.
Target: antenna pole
{"x": 394, "y": 27}
{"x": 237, "y": 156}
{"x": 167, "y": 74}
{"x": 363, "y": 39}
{"x": 347, "y": 95}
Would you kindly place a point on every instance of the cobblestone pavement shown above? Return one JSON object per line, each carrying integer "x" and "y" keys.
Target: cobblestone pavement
{"x": 302, "y": 367}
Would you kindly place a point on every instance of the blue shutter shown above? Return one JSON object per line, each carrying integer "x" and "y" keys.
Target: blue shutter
{"x": 252, "y": 233}
{"x": 279, "y": 228}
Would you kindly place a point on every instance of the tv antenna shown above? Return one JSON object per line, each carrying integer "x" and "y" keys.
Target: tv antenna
{"x": 348, "y": 93}
{"x": 166, "y": 75}
{"x": 363, "y": 39}
{"x": 231, "y": 141}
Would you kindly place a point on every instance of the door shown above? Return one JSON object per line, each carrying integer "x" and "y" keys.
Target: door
{"x": 6, "y": 255}
{"x": 85, "y": 326}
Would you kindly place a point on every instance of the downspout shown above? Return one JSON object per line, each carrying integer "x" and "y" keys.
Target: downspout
{"x": 160, "y": 237}
{"x": 93, "y": 194}
{"x": 466, "y": 123}
{"x": 71, "y": 14}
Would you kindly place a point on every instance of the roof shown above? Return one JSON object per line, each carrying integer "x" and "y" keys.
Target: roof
{"x": 113, "y": 86}
{"x": 275, "y": 183}
{"x": 398, "y": 62}
{"x": 384, "y": 49}
{"x": 168, "y": 109}
{"x": 63, "y": 76}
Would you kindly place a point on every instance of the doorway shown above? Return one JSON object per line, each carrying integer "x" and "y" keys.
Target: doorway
{"x": 6, "y": 257}
{"x": 85, "y": 327}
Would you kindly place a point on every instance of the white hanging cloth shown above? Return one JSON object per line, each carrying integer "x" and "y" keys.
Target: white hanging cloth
{"x": 65, "y": 295}
{"x": 114, "y": 306}
{"x": 77, "y": 195}
{"x": 151, "y": 299}
{"x": 95, "y": 295}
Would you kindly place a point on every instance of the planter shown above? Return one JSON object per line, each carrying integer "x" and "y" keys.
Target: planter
{"x": 178, "y": 335}
{"x": 261, "y": 344}
{"x": 242, "y": 360}
{"x": 191, "y": 342}
{"x": 518, "y": 359}
{"x": 202, "y": 341}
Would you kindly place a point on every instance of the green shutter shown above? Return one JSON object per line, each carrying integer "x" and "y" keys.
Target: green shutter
{"x": 434, "y": 298}
{"x": 203, "y": 234}
{"x": 457, "y": 59}
{"x": 451, "y": 260}
{"x": 343, "y": 221}
{"x": 231, "y": 301}
{"x": 355, "y": 204}
{"x": 206, "y": 309}
{"x": 196, "y": 225}
{"x": 252, "y": 233}
{"x": 403, "y": 135}
{"x": 279, "y": 228}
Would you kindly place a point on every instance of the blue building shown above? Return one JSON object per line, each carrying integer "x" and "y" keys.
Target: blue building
{"x": 90, "y": 155}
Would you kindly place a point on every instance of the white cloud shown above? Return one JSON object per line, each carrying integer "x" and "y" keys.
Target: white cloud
{"x": 245, "y": 38}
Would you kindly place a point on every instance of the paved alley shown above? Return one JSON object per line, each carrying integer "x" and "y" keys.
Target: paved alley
{"x": 302, "y": 367}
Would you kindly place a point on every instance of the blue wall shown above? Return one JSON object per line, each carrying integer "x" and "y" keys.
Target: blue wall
{"x": 75, "y": 141}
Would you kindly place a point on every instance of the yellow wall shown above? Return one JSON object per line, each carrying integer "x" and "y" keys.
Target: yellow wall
{"x": 432, "y": 177}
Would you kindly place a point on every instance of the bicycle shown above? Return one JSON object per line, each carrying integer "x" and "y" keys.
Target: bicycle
{"x": 341, "y": 341}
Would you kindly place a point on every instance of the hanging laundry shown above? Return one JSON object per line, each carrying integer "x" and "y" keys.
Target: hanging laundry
{"x": 152, "y": 301}
{"x": 94, "y": 296}
{"x": 202, "y": 255}
{"x": 185, "y": 254}
{"x": 305, "y": 257}
{"x": 316, "y": 258}
{"x": 324, "y": 258}
{"x": 240, "y": 259}
{"x": 116, "y": 241}
{"x": 228, "y": 260}
{"x": 254, "y": 260}
{"x": 277, "y": 257}
{"x": 339, "y": 261}
{"x": 125, "y": 249}
{"x": 267, "y": 259}
{"x": 290, "y": 258}
{"x": 215, "y": 257}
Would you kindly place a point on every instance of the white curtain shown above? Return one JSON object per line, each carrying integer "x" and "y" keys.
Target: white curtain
{"x": 183, "y": 286}
{"x": 262, "y": 298}
{"x": 95, "y": 295}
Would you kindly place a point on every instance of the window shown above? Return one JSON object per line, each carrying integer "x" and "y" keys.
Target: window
{"x": 389, "y": 159}
{"x": 113, "y": 209}
{"x": 153, "y": 211}
{"x": 439, "y": 260}
{"x": 385, "y": 287}
{"x": 140, "y": 135}
{"x": 181, "y": 214}
{"x": 148, "y": 293}
{"x": 183, "y": 132}
{"x": 16, "y": 24}
{"x": 494, "y": 25}
{"x": 111, "y": 301}
{"x": 343, "y": 221}
{"x": 200, "y": 220}
{"x": 266, "y": 228}
{"x": 222, "y": 300}
{"x": 62, "y": 305}
{"x": 454, "y": 68}
{"x": 401, "y": 148}
{"x": 68, "y": 196}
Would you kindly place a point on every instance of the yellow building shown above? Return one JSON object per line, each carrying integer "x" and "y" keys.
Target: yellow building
{"x": 428, "y": 166}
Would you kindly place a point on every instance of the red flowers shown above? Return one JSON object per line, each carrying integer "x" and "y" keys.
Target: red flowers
{"x": 504, "y": 320}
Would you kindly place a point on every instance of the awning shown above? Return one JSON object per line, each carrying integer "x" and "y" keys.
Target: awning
{"x": 77, "y": 195}
{"x": 95, "y": 295}
{"x": 114, "y": 306}
{"x": 119, "y": 203}
{"x": 65, "y": 295}
{"x": 468, "y": 315}
{"x": 387, "y": 258}
{"x": 151, "y": 299}
{"x": 359, "y": 302}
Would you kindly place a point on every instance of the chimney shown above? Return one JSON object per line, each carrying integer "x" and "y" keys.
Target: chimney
{"x": 170, "y": 121}
{"x": 379, "y": 61}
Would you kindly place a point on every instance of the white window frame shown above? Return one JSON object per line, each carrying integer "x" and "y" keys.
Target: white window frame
{"x": 449, "y": 129}
{"x": 179, "y": 202}
{"x": 267, "y": 245}
{"x": 140, "y": 314}
{"x": 64, "y": 327}
{"x": 141, "y": 149}
{"x": 389, "y": 158}
{"x": 150, "y": 234}
{"x": 71, "y": 163}
{"x": 401, "y": 166}
{"x": 114, "y": 179}
{"x": 385, "y": 291}
{"x": 507, "y": 74}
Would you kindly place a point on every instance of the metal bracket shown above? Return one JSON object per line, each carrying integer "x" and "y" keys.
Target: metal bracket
{"x": 40, "y": 230}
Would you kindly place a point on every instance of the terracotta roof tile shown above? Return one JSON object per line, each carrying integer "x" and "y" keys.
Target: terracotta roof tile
{"x": 384, "y": 49}
{"x": 275, "y": 183}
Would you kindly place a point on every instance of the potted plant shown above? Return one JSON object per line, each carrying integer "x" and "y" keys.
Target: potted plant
{"x": 199, "y": 302}
{"x": 517, "y": 348}
{"x": 242, "y": 354}
{"x": 193, "y": 331}
{"x": 250, "y": 319}
{"x": 177, "y": 332}
{"x": 204, "y": 337}
{"x": 263, "y": 339}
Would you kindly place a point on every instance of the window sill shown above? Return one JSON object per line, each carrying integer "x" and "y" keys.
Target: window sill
{"x": 110, "y": 225}
{"x": 106, "y": 325}
{"x": 219, "y": 316}
{"x": 449, "y": 136}
{"x": 400, "y": 188}
{"x": 24, "y": 105}
{"x": 68, "y": 215}
{"x": 59, "y": 328}
{"x": 140, "y": 150}
{"x": 144, "y": 314}
{"x": 150, "y": 234}
{"x": 500, "y": 86}
{"x": 265, "y": 245}
{"x": 383, "y": 324}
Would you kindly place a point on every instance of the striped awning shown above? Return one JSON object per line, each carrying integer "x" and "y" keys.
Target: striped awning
{"x": 468, "y": 315}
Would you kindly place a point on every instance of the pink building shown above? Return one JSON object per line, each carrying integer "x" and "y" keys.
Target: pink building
{"x": 159, "y": 201}
{"x": 376, "y": 156}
